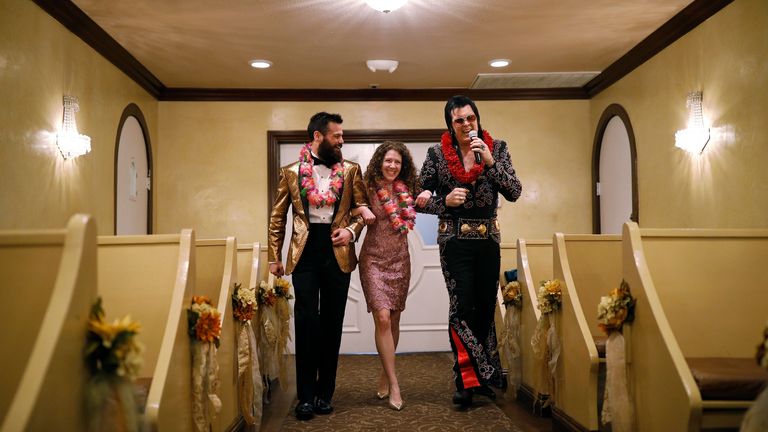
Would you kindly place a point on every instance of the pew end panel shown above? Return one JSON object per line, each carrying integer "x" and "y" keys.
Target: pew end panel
{"x": 508, "y": 262}
{"x": 578, "y": 260}
{"x": 534, "y": 264}
{"x": 664, "y": 393}
{"x": 216, "y": 273}
{"x": 152, "y": 278}
{"x": 57, "y": 269}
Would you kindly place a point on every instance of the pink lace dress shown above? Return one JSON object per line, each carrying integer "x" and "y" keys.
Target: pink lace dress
{"x": 385, "y": 263}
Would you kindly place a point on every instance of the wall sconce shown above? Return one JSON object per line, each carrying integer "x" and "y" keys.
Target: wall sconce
{"x": 695, "y": 137}
{"x": 70, "y": 142}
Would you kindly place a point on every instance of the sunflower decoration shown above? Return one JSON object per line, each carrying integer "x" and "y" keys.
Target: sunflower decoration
{"x": 550, "y": 296}
{"x": 268, "y": 294}
{"x": 512, "y": 294}
{"x": 112, "y": 348}
{"x": 204, "y": 320}
{"x": 615, "y": 309}
{"x": 244, "y": 303}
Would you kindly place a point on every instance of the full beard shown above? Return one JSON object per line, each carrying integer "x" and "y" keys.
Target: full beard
{"x": 329, "y": 153}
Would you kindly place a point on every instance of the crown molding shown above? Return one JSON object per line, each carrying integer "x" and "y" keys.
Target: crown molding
{"x": 295, "y": 95}
{"x": 678, "y": 26}
{"x": 74, "y": 19}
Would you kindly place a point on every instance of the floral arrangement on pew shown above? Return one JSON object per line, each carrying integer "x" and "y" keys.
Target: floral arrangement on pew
{"x": 613, "y": 311}
{"x": 545, "y": 344}
{"x": 249, "y": 385}
{"x": 113, "y": 357}
{"x": 509, "y": 340}
{"x": 204, "y": 322}
{"x": 274, "y": 331}
{"x": 756, "y": 418}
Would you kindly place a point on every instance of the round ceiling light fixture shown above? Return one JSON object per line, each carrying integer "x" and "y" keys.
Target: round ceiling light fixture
{"x": 260, "y": 64}
{"x": 499, "y": 63}
{"x": 386, "y": 6}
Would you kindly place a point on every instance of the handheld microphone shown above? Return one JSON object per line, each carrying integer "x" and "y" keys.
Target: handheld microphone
{"x": 473, "y": 135}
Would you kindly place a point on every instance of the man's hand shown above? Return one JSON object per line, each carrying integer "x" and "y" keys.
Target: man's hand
{"x": 423, "y": 197}
{"x": 341, "y": 237}
{"x": 276, "y": 268}
{"x": 478, "y": 146}
{"x": 456, "y": 197}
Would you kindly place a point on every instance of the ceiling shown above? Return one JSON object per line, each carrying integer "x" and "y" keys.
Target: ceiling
{"x": 323, "y": 44}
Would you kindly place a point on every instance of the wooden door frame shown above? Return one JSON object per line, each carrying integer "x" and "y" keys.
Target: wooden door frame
{"x": 133, "y": 110}
{"x": 613, "y": 110}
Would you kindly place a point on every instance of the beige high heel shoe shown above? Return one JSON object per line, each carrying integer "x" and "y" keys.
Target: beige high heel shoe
{"x": 397, "y": 406}
{"x": 382, "y": 395}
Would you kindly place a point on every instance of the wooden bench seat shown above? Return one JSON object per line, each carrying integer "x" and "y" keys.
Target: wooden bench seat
{"x": 730, "y": 379}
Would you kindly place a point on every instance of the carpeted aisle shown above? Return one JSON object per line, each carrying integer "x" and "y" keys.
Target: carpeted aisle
{"x": 425, "y": 380}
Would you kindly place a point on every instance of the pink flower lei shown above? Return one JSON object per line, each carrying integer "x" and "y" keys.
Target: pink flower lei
{"x": 400, "y": 211}
{"x": 308, "y": 187}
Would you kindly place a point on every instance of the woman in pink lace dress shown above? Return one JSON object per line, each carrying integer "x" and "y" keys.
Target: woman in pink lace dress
{"x": 385, "y": 264}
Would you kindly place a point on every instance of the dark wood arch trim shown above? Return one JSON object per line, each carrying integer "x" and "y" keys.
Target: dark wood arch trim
{"x": 133, "y": 110}
{"x": 277, "y": 138}
{"x": 613, "y": 110}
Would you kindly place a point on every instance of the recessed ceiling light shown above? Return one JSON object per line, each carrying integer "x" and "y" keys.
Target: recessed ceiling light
{"x": 499, "y": 63}
{"x": 386, "y": 6}
{"x": 260, "y": 64}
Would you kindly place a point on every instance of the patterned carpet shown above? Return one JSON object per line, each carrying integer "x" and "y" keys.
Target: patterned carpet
{"x": 425, "y": 380}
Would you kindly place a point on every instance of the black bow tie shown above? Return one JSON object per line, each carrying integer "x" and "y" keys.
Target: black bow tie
{"x": 319, "y": 161}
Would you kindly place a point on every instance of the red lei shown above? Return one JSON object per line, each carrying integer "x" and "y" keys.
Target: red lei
{"x": 400, "y": 210}
{"x": 456, "y": 166}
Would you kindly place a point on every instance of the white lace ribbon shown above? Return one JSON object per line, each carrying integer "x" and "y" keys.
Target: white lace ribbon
{"x": 206, "y": 404}
{"x": 249, "y": 385}
{"x": 617, "y": 407}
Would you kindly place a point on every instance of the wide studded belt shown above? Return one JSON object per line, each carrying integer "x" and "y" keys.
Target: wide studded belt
{"x": 464, "y": 228}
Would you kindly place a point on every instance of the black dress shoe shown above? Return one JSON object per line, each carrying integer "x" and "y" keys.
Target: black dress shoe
{"x": 304, "y": 411}
{"x": 322, "y": 407}
{"x": 486, "y": 391}
{"x": 462, "y": 398}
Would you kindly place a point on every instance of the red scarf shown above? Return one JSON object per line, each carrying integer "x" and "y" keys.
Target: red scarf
{"x": 456, "y": 166}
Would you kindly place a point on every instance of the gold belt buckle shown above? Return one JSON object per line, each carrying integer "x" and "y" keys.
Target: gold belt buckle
{"x": 482, "y": 229}
{"x": 465, "y": 228}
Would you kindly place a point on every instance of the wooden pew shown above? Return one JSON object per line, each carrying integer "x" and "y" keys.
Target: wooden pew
{"x": 215, "y": 277}
{"x": 588, "y": 267}
{"x": 152, "y": 279}
{"x": 700, "y": 293}
{"x": 248, "y": 264}
{"x": 534, "y": 264}
{"x": 49, "y": 282}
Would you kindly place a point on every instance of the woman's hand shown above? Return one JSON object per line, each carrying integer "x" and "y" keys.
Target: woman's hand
{"x": 368, "y": 216}
{"x": 423, "y": 197}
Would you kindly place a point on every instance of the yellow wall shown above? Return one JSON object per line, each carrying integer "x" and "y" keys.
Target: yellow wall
{"x": 726, "y": 57}
{"x": 214, "y": 174}
{"x": 40, "y": 61}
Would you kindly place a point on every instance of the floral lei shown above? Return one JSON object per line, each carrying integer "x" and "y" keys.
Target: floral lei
{"x": 455, "y": 165}
{"x": 308, "y": 187}
{"x": 401, "y": 214}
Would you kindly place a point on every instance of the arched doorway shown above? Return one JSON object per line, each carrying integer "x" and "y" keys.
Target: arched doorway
{"x": 133, "y": 174}
{"x": 614, "y": 172}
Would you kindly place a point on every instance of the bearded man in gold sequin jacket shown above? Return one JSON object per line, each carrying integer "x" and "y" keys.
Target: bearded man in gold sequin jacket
{"x": 322, "y": 187}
